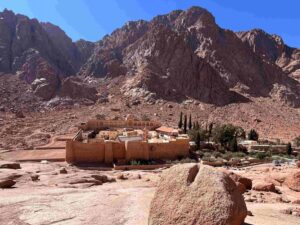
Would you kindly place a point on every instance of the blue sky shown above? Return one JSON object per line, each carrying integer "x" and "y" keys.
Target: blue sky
{"x": 92, "y": 19}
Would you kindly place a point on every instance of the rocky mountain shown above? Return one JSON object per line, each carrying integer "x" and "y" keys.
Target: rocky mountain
{"x": 186, "y": 52}
{"x": 180, "y": 55}
{"x": 272, "y": 48}
{"x": 40, "y": 53}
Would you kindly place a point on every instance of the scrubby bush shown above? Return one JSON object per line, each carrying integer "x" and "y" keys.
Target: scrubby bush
{"x": 261, "y": 155}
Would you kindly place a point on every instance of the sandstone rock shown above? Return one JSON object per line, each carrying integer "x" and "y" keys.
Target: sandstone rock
{"x": 63, "y": 171}
{"x": 6, "y": 183}
{"x": 195, "y": 194}
{"x": 9, "y": 165}
{"x": 263, "y": 186}
{"x": 121, "y": 177}
{"x": 297, "y": 201}
{"x": 293, "y": 181}
{"x": 243, "y": 180}
{"x": 291, "y": 211}
{"x": 298, "y": 164}
{"x": 35, "y": 177}
{"x": 241, "y": 187}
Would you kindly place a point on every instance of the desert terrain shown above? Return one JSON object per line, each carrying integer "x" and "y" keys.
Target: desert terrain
{"x": 57, "y": 193}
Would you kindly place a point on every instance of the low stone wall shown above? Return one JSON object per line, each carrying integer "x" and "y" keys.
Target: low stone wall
{"x": 136, "y": 124}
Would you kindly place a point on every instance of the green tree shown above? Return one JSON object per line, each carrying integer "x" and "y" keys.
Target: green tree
{"x": 233, "y": 144}
{"x": 190, "y": 122}
{"x": 224, "y": 134}
{"x": 253, "y": 135}
{"x": 198, "y": 140}
{"x": 289, "y": 148}
{"x": 185, "y": 124}
{"x": 210, "y": 128}
{"x": 180, "y": 121}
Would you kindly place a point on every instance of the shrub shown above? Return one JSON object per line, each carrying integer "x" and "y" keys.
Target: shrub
{"x": 261, "y": 155}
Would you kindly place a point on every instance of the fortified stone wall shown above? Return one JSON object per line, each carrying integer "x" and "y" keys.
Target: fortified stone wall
{"x": 84, "y": 152}
{"x": 109, "y": 151}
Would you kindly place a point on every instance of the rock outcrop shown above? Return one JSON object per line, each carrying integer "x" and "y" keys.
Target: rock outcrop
{"x": 37, "y": 50}
{"x": 9, "y": 165}
{"x": 197, "y": 194}
{"x": 75, "y": 88}
{"x": 196, "y": 49}
{"x": 293, "y": 181}
{"x": 272, "y": 48}
{"x": 264, "y": 186}
{"x": 180, "y": 55}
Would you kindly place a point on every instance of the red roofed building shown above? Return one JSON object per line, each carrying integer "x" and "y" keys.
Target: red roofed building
{"x": 167, "y": 131}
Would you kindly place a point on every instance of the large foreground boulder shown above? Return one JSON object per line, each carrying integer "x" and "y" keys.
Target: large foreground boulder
{"x": 199, "y": 195}
{"x": 293, "y": 181}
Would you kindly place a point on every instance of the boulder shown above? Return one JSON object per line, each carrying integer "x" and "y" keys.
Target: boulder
{"x": 241, "y": 187}
{"x": 199, "y": 195}
{"x": 45, "y": 91}
{"x": 264, "y": 186}
{"x": 9, "y": 165}
{"x": 63, "y": 171}
{"x": 293, "y": 181}
{"x": 298, "y": 164}
{"x": 7, "y": 183}
{"x": 243, "y": 180}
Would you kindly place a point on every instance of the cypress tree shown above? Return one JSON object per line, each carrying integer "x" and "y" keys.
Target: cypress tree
{"x": 180, "y": 121}
{"x": 197, "y": 125}
{"x": 198, "y": 140}
{"x": 190, "y": 122}
{"x": 185, "y": 124}
{"x": 253, "y": 135}
{"x": 289, "y": 148}
{"x": 210, "y": 127}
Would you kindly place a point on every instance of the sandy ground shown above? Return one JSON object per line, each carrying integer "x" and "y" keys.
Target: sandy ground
{"x": 125, "y": 202}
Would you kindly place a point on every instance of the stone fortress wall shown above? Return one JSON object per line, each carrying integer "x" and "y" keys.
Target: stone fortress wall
{"x": 108, "y": 151}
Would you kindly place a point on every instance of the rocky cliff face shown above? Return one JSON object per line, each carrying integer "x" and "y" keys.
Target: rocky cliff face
{"x": 39, "y": 52}
{"x": 272, "y": 48}
{"x": 176, "y": 52}
{"x": 183, "y": 54}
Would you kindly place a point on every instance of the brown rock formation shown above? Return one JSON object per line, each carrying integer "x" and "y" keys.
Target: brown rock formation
{"x": 75, "y": 88}
{"x": 293, "y": 181}
{"x": 263, "y": 186}
{"x": 194, "y": 194}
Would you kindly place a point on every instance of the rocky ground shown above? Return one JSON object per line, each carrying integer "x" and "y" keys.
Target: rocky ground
{"x": 56, "y": 193}
{"x": 271, "y": 119}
